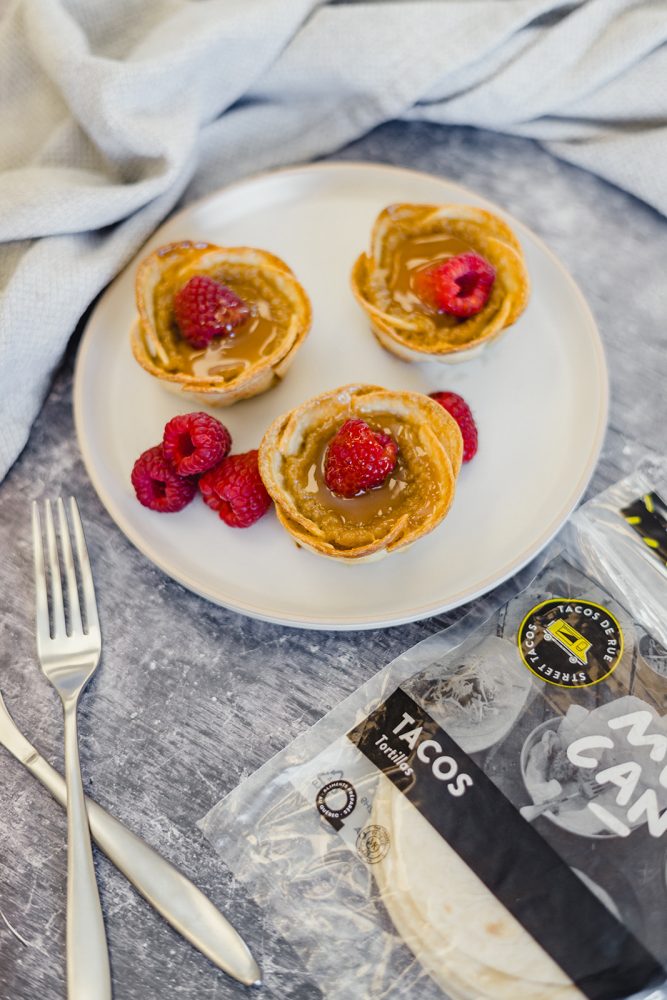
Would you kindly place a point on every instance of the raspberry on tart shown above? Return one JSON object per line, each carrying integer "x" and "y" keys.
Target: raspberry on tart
{"x": 358, "y": 459}
{"x": 459, "y": 285}
{"x": 205, "y": 309}
{"x": 195, "y": 442}
{"x": 459, "y": 409}
{"x": 440, "y": 282}
{"x": 157, "y": 484}
{"x": 234, "y": 489}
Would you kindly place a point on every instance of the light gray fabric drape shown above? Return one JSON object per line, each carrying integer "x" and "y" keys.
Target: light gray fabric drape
{"x": 111, "y": 109}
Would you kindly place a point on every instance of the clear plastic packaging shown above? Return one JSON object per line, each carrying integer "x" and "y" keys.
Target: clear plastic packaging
{"x": 487, "y": 816}
{"x": 605, "y": 541}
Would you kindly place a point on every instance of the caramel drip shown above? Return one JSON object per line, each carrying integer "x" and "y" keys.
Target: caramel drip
{"x": 382, "y": 501}
{"x": 232, "y": 354}
{"x": 413, "y": 254}
{"x": 238, "y": 350}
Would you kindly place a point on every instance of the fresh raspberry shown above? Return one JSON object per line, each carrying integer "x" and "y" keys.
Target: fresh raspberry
{"x": 235, "y": 490}
{"x": 195, "y": 442}
{"x": 158, "y": 485}
{"x": 205, "y": 309}
{"x": 460, "y": 285}
{"x": 459, "y": 409}
{"x": 358, "y": 459}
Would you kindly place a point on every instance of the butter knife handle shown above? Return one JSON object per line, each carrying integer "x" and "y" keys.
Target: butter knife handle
{"x": 174, "y": 896}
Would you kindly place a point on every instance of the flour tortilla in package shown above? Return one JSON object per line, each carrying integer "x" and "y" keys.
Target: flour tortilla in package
{"x": 487, "y": 816}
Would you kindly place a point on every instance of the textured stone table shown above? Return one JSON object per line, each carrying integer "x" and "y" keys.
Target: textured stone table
{"x": 190, "y": 698}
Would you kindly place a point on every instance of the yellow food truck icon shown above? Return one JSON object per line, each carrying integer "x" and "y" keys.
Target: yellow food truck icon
{"x": 570, "y": 641}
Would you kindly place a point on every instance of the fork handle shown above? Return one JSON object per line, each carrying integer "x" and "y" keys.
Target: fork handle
{"x": 88, "y": 974}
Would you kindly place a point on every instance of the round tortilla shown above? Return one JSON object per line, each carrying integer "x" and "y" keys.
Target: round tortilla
{"x": 458, "y": 930}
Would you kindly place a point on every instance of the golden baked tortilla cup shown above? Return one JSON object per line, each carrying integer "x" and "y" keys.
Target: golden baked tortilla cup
{"x": 230, "y": 368}
{"x": 419, "y": 334}
{"x": 413, "y": 500}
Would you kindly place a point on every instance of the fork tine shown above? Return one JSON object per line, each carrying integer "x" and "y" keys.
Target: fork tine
{"x": 87, "y": 587}
{"x": 41, "y": 599}
{"x": 70, "y": 572}
{"x": 57, "y": 608}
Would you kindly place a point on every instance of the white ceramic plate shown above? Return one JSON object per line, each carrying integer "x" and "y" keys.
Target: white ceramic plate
{"x": 539, "y": 397}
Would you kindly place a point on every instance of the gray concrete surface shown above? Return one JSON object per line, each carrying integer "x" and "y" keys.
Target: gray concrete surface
{"x": 191, "y": 697}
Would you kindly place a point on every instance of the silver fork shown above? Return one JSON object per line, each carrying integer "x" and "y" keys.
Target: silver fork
{"x": 68, "y": 658}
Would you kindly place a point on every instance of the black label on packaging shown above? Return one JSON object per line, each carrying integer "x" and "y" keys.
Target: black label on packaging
{"x": 648, "y": 517}
{"x": 488, "y": 833}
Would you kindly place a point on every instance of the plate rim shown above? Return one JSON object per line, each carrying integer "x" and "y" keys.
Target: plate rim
{"x": 349, "y": 622}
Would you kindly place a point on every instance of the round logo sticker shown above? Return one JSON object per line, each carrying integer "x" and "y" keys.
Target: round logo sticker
{"x": 335, "y": 801}
{"x": 570, "y": 642}
{"x": 373, "y": 843}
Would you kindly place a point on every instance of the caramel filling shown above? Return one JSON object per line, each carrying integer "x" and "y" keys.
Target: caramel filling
{"x": 414, "y": 254}
{"x": 232, "y": 354}
{"x": 381, "y": 501}
{"x": 236, "y": 351}
{"x": 410, "y": 491}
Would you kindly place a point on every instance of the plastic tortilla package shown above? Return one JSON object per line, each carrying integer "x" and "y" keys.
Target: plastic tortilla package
{"x": 487, "y": 816}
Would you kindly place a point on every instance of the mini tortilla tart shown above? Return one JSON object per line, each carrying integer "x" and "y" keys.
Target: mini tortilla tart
{"x": 247, "y": 362}
{"x": 407, "y": 327}
{"x": 412, "y": 502}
